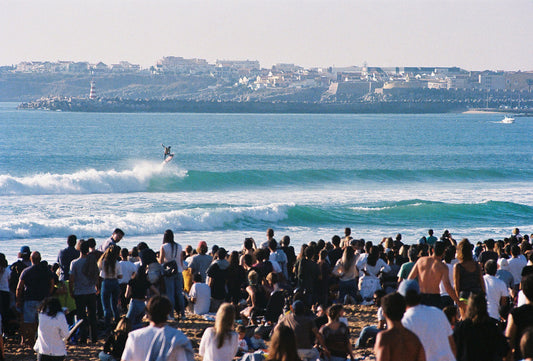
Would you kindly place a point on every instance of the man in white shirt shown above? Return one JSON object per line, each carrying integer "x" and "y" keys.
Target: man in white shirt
{"x": 200, "y": 295}
{"x": 128, "y": 269}
{"x": 158, "y": 341}
{"x": 515, "y": 265}
{"x": 497, "y": 291}
{"x": 428, "y": 323}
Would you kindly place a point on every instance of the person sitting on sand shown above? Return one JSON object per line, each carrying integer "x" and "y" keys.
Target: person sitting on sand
{"x": 430, "y": 271}
{"x": 387, "y": 347}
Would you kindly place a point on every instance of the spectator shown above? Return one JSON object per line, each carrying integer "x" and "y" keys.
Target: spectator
{"x": 52, "y": 331}
{"x": 520, "y": 318}
{"x": 66, "y": 256}
{"x": 128, "y": 269}
{"x": 158, "y": 341}
{"x": 114, "y": 345}
{"x": 283, "y": 345}
{"x": 497, "y": 291}
{"x": 220, "y": 343}
{"x": 346, "y": 270}
{"x": 201, "y": 261}
{"x": 388, "y": 345}
{"x": 218, "y": 274}
{"x": 110, "y": 272}
{"x": 137, "y": 291}
{"x": 170, "y": 254}
{"x": 336, "y": 335}
{"x": 117, "y": 235}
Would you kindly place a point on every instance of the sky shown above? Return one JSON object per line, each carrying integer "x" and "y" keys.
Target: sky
{"x": 471, "y": 34}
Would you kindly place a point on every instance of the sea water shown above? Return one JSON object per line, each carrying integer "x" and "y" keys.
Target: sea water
{"x": 235, "y": 175}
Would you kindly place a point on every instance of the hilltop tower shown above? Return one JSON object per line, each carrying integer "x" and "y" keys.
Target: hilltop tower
{"x": 92, "y": 93}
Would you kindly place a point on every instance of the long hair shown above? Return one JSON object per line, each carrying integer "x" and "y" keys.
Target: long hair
{"x": 373, "y": 256}
{"x": 283, "y": 345}
{"x": 168, "y": 237}
{"x": 348, "y": 258}
{"x": 477, "y": 308}
{"x": 50, "y": 306}
{"x": 224, "y": 323}
{"x": 3, "y": 263}
{"x": 108, "y": 260}
{"x": 464, "y": 250}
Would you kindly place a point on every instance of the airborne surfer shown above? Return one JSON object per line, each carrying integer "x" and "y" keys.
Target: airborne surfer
{"x": 166, "y": 151}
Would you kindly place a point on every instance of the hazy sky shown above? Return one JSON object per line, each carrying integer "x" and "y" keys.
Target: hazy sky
{"x": 472, "y": 34}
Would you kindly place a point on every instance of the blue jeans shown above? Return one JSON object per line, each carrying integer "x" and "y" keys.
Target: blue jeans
{"x": 110, "y": 291}
{"x": 174, "y": 292}
{"x": 366, "y": 334}
{"x": 136, "y": 313}
{"x": 347, "y": 288}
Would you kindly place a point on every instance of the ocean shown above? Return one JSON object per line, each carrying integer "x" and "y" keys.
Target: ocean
{"x": 235, "y": 175}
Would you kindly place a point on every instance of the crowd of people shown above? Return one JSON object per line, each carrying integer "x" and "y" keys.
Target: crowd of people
{"x": 446, "y": 300}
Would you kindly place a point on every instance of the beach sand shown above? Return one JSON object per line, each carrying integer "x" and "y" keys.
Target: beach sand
{"x": 358, "y": 317}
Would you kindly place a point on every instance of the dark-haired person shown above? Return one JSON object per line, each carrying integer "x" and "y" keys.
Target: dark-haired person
{"x": 388, "y": 346}
{"x": 467, "y": 275}
{"x": 428, "y": 323}
{"x": 488, "y": 253}
{"x": 336, "y": 335}
{"x": 200, "y": 262}
{"x": 430, "y": 272}
{"x": 218, "y": 275}
{"x": 82, "y": 286}
{"x": 158, "y": 341}
{"x": 117, "y": 235}
{"x": 477, "y": 337}
{"x": 520, "y": 318}
{"x": 526, "y": 344}
{"x": 369, "y": 270}
{"x": 53, "y": 329}
{"x": 289, "y": 252}
{"x": 171, "y": 251}
{"x": 346, "y": 270}
{"x": 515, "y": 266}
{"x": 497, "y": 291}
{"x": 35, "y": 284}
{"x": 66, "y": 256}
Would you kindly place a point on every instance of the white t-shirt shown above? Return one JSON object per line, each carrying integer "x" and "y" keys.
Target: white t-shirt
{"x": 450, "y": 277}
{"x": 171, "y": 255}
{"x": 4, "y": 280}
{"x": 208, "y": 347}
{"x": 496, "y": 289}
{"x": 128, "y": 270}
{"x": 50, "y": 335}
{"x": 201, "y": 292}
{"x": 433, "y": 329}
{"x": 118, "y": 271}
{"x": 515, "y": 267}
{"x": 139, "y": 343}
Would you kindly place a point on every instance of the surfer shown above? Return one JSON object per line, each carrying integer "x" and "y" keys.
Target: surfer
{"x": 166, "y": 151}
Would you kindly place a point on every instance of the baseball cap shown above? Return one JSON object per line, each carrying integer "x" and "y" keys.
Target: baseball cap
{"x": 408, "y": 285}
{"x": 25, "y": 250}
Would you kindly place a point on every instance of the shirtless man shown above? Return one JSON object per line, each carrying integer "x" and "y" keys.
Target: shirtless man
{"x": 388, "y": 347}
{"x": 430, "y": 271}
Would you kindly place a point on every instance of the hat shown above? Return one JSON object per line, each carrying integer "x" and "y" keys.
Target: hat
{"x": 408, "y": 285}
{"x": 298, "y": 307}
{"x": 504, "y": 264}
{"x": 202, "y": 244}
{"x": 25, "y": 250}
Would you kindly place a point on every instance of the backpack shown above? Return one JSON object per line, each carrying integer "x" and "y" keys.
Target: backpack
{"x": 153, "y": 272}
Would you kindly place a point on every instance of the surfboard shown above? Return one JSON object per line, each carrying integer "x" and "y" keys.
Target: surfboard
{"x": 168, "y": 159}
{"x": 73, "y": 329}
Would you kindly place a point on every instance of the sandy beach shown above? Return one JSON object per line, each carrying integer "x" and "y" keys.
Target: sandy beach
{"x": 358, "y": 317}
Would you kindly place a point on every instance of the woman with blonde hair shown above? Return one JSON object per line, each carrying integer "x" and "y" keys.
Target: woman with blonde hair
{"x": 220, "y": 343}
{"x": 110, "y": 272}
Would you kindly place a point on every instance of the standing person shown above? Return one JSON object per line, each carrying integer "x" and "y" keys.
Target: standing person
{"x": 128, "y": 269}
{"x": 497, "y": 291}
{"x": 158, "y": 341}
{"x": 430, "y": 272}
{"x": 477, "y": 337}
{"x": 336, "y": 335}
{"x": 520, "y": 318}
{"x": 467, "y": 275}
{"x": 388, "y": 347}
{"x": 336, "y": 253}
{"x": 171, "y": 252}
{"x": 515, "y": 266}
{"x": 137, "y": 291}
{"x": 431, "y": 239}
{"x": 489, "y": 252}
{"x": 428, "y": 323}
{"x": 283, "y": 345}
{"x": 5, "y": 296}
{"x": 249, "y": 248}
{"x": 200, "y": 262}
{"x": 346, "y": 270}
{"x": 218, "y": 275}
{"x": 110, "y": 272}
{"x": 19, "y": 266}
{"x": 236, "y": 279}
{"x": 117, "y": 235}
{"x": 307, "y": 272}
{"x": 406, "y": 267}
{"x": 347, "y": 237}
{"x": 82, "y": 286}
{"x": 269, "y": 236}
{"x": 66, "y": 256}
{"x": 52, "y": 331}
{"x": 323, "y": 283}
{"x": 220, "y": 343}
{"x": 289, "y": 252}
{"x": 35, "y": 284}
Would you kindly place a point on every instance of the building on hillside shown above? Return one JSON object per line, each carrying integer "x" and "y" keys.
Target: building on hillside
{"x": 240, "y": 65}
{"x": 180, "y": 65}
{"x": 489, "y": 80}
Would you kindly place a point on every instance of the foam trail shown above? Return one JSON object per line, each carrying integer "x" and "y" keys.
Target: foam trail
{"x": 89, "y": 181}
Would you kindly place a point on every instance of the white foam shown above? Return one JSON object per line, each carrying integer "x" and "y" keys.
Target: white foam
{"x": 87, "y": 181}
